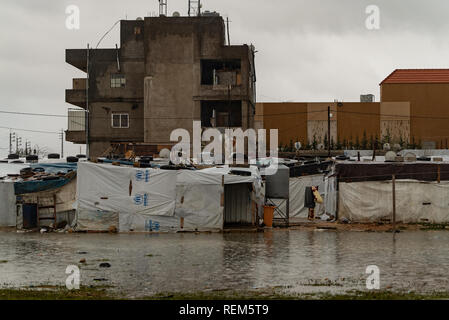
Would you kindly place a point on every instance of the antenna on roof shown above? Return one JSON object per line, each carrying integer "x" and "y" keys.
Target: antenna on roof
{"x": 194, "y": 8}
{"x": 163, "y": 8}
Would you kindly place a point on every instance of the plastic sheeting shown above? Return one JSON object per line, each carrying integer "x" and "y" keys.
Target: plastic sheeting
{"x": 297, "y": 194}
{"x": 331, "y": 196}
{"x": 11, "y": 168}
{"x": 8, "y": 205}
{"x": 175, "y": 200}
{"x": 56, "y": 167}
{"x": 65, "y": 198}
{"x": 372, "y": 201}
{"x": 103, "y": 190}
{"x": 25, "y": 187}
{"x": 198, "y": 206}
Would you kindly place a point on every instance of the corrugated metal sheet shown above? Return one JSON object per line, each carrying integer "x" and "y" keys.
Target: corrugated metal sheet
{"x": 238, "y": 204}
{"x": 418, "y": 76}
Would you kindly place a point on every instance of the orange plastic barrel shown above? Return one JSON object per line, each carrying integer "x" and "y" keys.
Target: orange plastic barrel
{"x": 268, "y": 213}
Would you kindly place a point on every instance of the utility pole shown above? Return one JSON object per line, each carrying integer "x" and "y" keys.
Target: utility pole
{"x": 86, "y": 124}
{"x": 329, "y": 131}
{"x": 227, "y": 24}
{"x": 394, "y": 202}
{"x": 229, "y": 106}
{"x": 10, "y": 141}
{"x": 62, "y": 142}
{"x": 18, "y": 142}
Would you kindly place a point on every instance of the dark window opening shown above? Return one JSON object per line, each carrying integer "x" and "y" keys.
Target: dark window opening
{"x": 221, "y": 114}
{"x": 221, "y": 72}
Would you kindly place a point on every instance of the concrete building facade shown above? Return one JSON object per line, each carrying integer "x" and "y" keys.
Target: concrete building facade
{"x": 167, "y": 73}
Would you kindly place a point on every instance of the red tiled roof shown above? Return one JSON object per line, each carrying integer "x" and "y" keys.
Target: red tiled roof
{"x": 418, "y": 76}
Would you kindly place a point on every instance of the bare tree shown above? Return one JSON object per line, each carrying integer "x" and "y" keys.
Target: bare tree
{"x": 40, "y": 151}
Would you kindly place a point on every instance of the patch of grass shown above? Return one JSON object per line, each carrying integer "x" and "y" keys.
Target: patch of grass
{"x": 45, "y": 292}
{"x": 48, "y": 292}
{"x": 383, "y": 295}
{"x": 273, "y": 295}
{"x": 222, "y": 295}
{"x": 434, "y": 226}
{"x": 323, "y": 283}
{"x": 3, "y": 261}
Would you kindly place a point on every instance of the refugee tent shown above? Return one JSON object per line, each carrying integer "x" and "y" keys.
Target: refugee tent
{"x": 8, "y": 212}
{"x": 46, "y": 199}
{"x": 106, "y": 192}
{"x": 198, "y": 206}
{"x": 145, "y": 200}
{"x": 416, "y": 201}
{"x": 8, "y": 204}
{"x": 244, "y": 194}
{"x": 421, "y": 192}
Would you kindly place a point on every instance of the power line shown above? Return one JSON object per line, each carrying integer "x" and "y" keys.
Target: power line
{"x": 28, "y": 130}
{"x": 264, "y": 115}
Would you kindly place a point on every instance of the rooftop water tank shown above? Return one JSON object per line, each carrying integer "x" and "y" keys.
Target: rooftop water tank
{"x": 277, "y": 185}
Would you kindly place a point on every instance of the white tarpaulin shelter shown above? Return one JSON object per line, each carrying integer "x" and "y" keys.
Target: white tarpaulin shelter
{"x": 372, "y": 201}
{"x": 133, "y": 199}
{"x": 7, "y": 205}
{"x": 104, "y": 192}
{"x": 198, "y": 206}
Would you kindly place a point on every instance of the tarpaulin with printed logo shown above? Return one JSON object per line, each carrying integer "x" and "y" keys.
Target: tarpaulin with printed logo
{"x": 124, "y": 190}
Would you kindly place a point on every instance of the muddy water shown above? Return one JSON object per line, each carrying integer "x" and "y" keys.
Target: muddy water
{"x": 295, "y": 261}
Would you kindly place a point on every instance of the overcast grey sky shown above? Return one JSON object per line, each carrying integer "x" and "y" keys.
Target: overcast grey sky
{"x": 308, "y": 50}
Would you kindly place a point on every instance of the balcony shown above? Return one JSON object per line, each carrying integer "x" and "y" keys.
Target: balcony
{"x": 78, "y": 57}
{"x": 76, "y": 129}
{"x": 78, "y": 137}
{"x": 76, "y": 97}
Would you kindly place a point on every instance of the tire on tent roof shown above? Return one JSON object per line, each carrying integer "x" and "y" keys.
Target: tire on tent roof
{"x": 32, "y": 157}
{"x": 54, "y": 156}
{"x": 72, "y": 159}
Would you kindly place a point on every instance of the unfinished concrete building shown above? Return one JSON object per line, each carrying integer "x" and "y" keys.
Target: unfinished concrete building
{"x": 167, "y": 73}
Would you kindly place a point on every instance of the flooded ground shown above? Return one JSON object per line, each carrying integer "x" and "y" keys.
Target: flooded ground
{"x": 296, "y": 261}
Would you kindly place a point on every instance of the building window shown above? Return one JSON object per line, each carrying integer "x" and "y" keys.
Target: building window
{"x": 120, "y": 120}
{"x": 118, "y": 81}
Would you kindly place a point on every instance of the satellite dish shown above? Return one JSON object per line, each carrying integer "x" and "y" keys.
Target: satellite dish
{"x": 176, "y": 14}
{"x": 397, "y": 147}
{"x": 139, "y": 19}
{"x": 387, "y": 146}
{"x": 298, "y": 145}
{"x": 410, "y": 157}
{"x": 320, "y": 146}
{"x": 164, "y": 154}
{"x": 390, "y": 156}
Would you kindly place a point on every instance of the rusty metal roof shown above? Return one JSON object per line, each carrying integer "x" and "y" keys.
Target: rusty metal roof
{"x": 418, "y": 76}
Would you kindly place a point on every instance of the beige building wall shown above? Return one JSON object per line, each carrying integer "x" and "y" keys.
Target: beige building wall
{"x": 317, "y": 122}
{"x": 395, "y": 121}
